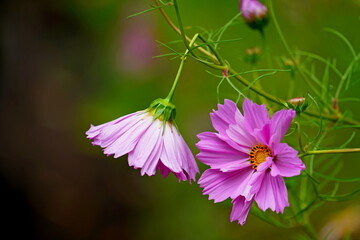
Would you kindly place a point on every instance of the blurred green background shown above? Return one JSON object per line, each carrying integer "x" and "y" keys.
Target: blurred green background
{"x": 71, "y": 63}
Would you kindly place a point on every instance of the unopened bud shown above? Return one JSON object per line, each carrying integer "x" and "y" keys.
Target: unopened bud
{"x": 296, "y": 101}
{"x": 299, "y": 104}
{"x": 252, "y": 55}
{"x": 254, "y": 13}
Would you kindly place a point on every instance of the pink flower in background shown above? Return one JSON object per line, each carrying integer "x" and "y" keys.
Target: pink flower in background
{"x": 247, "y": 159}
{"x": 254, "y": 13}
{"x": 152, "y": 143}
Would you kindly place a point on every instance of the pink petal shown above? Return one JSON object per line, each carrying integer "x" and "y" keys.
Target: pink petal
{"x": 240, "y": 210}
{"x": 110, "y": 133}
{"x": 280, "y": 123}
{"x": 171, "y": 156}
{"x": 256, "y": 116}
{"x": 147, "y": 152}
{"x": 242, "y": 138}
{"x": 127, "y": 141}
{"x": 225, "y": 115}
{"x": 95, "y": 130}
{"x": 163, "y": 169}
{"x": 255, "y": 183}
{"x": 286, "y": 163}
{"x": 189, "y": 166}
{"x": 263, "y": 134}
{"x": 218, "y": 154}
{"x": 272, "y": 194}
{"x": 222, "y": 185}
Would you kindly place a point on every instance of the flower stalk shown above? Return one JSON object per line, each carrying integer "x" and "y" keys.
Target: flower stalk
{"x": 330, "y": 151}
{"x": 177, "y": 77}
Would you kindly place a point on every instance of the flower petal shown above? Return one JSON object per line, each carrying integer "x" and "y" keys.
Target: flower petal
{"x": 242, "y": 139}
{"x": 171, "y": 156}
{"x": 272, "y": 194}
{"x": 225, "y": 115}
{"x": 147, "y": 152}
{"x": 220, "y": 186}
{"x": 256, "y": 116}
{"x": 280, "y": 123}
{"x": 189, "y": 166}
{"x": 286, "y": 163}
{"x": 128, "y": 140}
{"x": 263, "y": 135}
{"x": 240, "y": 210}
{"x": 218, "y": 154}
{"x": 110, "y": 133}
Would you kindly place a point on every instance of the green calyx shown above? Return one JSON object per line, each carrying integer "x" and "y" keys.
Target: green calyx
{"x": 297, "y": 104}
{"x": 163, "y": 110}
{"x": 258, "y": 23}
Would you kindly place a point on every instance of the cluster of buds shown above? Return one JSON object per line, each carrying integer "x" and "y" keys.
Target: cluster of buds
{"x": 254, "y": 13}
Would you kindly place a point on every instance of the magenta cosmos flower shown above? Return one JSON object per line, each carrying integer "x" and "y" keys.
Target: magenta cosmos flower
{"x": 151, "y": 140}
{"x": 254, "y": 13}
{"x": 247, "y": 159}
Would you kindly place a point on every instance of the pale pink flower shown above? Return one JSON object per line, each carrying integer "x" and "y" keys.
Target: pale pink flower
{"x": 247, "y": 159}
{"x": 152, "y": 143}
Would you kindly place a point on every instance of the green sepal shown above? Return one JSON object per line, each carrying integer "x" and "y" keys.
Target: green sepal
{"x": 163, "y": 110}
{"x": 258, "y": 23}
{"x": 299, "y": 107}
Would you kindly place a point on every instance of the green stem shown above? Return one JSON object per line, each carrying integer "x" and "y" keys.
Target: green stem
{"x": 343, "y": 78}
{"x": 182, "y": 63}
{"x": 214, "y": 51}
{"x": 182, "y": 33}
{"x": 299, "y": 133}
{"x": 330, "y": 151}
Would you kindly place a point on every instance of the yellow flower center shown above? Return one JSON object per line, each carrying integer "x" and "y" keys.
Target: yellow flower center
{"x": 258, "y": 154}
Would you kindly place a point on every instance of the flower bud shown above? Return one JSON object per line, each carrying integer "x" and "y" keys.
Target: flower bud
{"x": 252, "y": 55}
{"x": 299, "y": 104}
{"x": 254, "y": 13}
{"x": 290, "y": 64}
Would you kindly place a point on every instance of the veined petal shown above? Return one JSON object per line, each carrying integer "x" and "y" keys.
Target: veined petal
{"x": 222, "y": 185}
{"x": 189, "y": 166}
{"x": 110, "y": 133}
{"x": 147, "y": 152}
{"x": 256, "y": 116}
{"x": 240, "y": 209}
{"x": 272, "y": 194}
{"x": 171, "y": 156}
{"x": 225, "y": 115}
{"x": 287, "y": 163}
{"x": 263, "y": 134}
{"x": 218, "y": 154}
{"x": 95, "y": 130}
{"x": 244, "y": 140}
{"x": 280, "y": 123}
{"x": 127, "y": 141}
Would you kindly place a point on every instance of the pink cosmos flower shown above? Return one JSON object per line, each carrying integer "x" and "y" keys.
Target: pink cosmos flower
{"x": 254, "y": 13}
{"x": 247, "y": 159}
{"x": 150, "y": 139}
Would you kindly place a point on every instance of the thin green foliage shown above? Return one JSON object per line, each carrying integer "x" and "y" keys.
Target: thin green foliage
{"x": 342, "y": 37}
